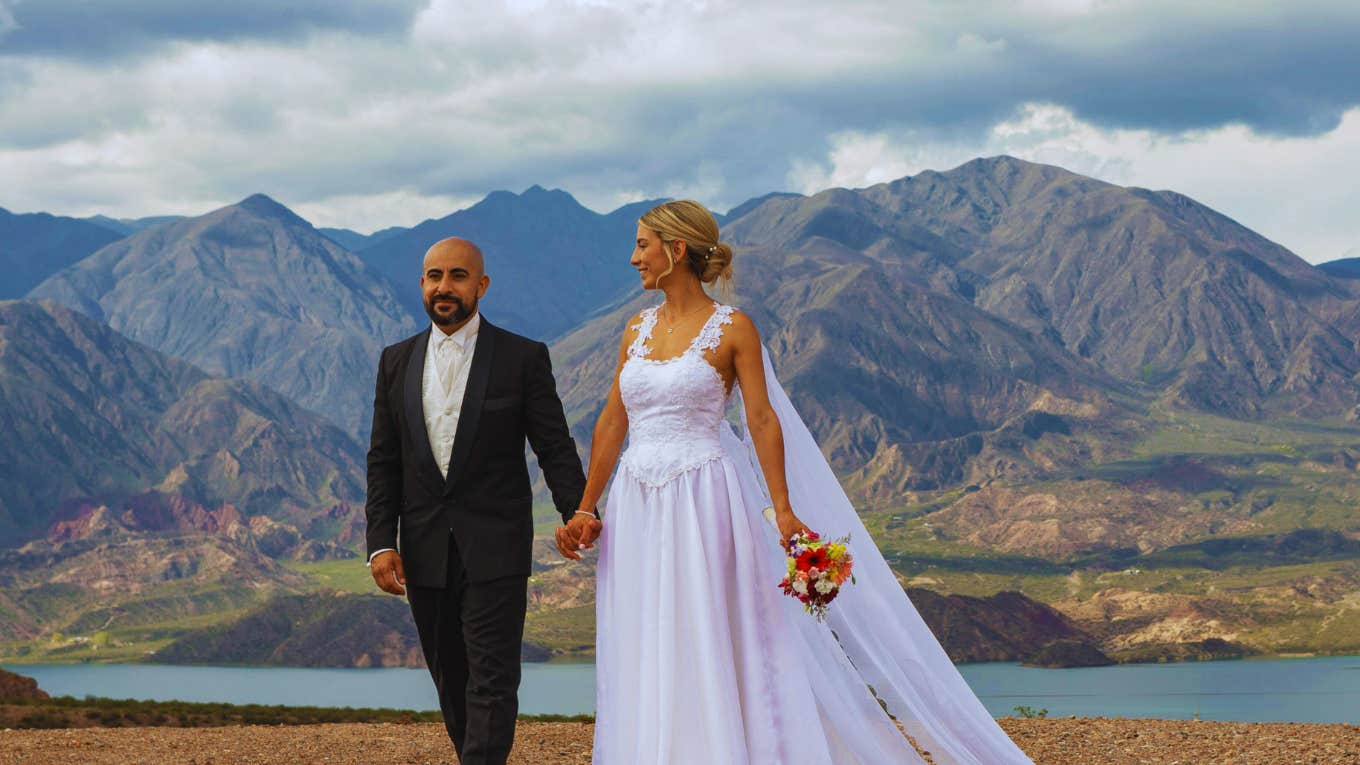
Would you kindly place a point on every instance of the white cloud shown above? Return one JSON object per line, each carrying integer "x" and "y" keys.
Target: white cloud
{"x": 615, "y": 101}
{"x": 1298, "y": 191}
{"x": 367, "y": 213}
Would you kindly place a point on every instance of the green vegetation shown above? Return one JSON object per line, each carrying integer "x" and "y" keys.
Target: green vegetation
{"x": 349, "y": 575}
{"x": 1276, "y": 569}
{"x": 568, "y": 631}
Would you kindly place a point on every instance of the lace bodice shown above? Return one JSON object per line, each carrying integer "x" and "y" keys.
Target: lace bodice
{"x": 675, "y": 406}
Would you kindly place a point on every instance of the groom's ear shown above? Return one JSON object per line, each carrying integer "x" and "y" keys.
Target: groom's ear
{"x": 481, "y": 288}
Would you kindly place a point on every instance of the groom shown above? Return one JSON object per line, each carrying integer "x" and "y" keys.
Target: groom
{"x": 449, "y": 501}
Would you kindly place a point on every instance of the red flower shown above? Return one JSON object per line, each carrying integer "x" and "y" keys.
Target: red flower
{"x": 812, "y": 558}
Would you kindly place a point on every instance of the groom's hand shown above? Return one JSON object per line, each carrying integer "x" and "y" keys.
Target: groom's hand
{"x": 579, "y": 534}
{"x": 389, "y": 573}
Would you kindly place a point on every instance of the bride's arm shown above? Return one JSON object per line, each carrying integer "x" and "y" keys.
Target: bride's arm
{"x": 606, "y": 442}
{"x": 761, "y": 420}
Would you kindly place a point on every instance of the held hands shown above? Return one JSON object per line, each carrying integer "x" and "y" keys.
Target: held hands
{"x": 389, "y": 573}
{"x": 580, "y": 533}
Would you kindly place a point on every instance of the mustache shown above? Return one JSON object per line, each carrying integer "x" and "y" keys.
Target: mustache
{"x": 454, "y": 298}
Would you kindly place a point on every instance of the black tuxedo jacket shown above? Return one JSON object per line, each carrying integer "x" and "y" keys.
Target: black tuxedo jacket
{"x": 486, "y": 502}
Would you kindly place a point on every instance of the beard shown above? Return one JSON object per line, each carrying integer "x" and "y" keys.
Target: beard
{"x": 461, "y": 311}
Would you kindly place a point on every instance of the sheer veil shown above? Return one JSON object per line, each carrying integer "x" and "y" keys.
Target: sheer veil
{"x": 876, "y": 625}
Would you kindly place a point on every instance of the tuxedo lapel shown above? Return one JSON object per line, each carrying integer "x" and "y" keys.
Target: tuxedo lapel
{"x": 415, "y": 406}
{"x": 473, "y": 396}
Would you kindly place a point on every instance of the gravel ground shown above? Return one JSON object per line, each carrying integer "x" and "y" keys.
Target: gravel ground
{"x": 1057, "y": 742}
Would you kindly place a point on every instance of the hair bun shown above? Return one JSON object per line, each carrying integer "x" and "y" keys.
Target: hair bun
{"x": 717, "y": 264}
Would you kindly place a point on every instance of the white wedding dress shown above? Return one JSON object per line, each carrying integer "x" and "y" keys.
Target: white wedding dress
{"x": 700, "y": 658}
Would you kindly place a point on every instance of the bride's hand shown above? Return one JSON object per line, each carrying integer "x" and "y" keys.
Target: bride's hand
{"x": 789, "y": 524}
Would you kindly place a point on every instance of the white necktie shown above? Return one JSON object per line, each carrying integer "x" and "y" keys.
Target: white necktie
{"x": 449, "y": 354}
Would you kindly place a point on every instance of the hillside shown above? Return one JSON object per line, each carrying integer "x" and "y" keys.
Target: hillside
{"x": 249, "y": 291}
{"x": 121, "y": 420}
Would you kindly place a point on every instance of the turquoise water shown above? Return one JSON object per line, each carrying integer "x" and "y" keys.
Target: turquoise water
{"x": 1253, "y": 690}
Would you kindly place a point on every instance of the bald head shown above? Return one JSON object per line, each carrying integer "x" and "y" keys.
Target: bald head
{"x": 456, "y": 250}
{"x": 452, "y": 281}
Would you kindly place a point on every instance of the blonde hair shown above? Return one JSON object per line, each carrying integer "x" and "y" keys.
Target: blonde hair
{"x": 692, "y": 223}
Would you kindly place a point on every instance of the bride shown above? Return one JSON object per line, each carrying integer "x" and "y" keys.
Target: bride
{"x": 700, "y": 658}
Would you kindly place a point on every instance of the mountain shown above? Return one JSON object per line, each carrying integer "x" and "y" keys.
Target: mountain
{"x": 751, "y": 204}
{"x": 1006, "y": 626}
{"x": 355, "y": 241}
{"x": 1342, "y": 268}
{"x": 33, "y": 246}
{"x": 249, "y": 291}
{"x": 350, "y": 240}
{"x": 552, "y": 262}
{"x": 127, "y": 226}
{"x": 93, "y": 419}
{"x": 1150, "y": 285}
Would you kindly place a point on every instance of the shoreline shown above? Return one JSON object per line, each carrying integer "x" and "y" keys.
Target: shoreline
{"x": 567, "y": 659}
{"x": 1090, "y": 741}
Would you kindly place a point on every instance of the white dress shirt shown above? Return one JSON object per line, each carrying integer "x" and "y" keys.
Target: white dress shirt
{"x": 441, "y": 398}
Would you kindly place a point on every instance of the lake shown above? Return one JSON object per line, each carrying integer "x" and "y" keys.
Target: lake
{"x": 1251, "y": 690}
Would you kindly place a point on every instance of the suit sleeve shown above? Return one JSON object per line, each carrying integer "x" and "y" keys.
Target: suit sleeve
{"x": 549, "y": 436}
{"x": 383, "y": 506}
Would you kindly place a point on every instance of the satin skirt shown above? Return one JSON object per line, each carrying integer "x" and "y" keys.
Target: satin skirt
{"x": 700, "y": 658}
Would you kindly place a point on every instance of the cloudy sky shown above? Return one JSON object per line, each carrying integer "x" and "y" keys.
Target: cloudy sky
{"x": 371, "y": 114}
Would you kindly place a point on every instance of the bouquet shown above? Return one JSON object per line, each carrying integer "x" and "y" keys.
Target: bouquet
{"x": 817, "y": 569}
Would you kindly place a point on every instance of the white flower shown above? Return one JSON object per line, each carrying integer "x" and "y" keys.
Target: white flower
{"x": 825, "y": 585}
{"x": 800, "y": 587}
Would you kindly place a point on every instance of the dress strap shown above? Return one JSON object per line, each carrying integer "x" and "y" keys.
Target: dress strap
{"x": 646, "y": 321}
{"x": 711, "y": 334}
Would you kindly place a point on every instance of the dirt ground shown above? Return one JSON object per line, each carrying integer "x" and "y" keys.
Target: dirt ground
{"x": 1058, "y": 742}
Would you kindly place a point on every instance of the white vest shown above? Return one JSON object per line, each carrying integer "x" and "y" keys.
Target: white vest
{"x": 441, "y": 411}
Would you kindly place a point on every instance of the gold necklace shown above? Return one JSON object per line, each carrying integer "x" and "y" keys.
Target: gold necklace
{"x": 671, "y": 322}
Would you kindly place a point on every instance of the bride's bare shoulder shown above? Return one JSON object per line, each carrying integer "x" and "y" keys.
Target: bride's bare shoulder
{"x": 740, "y": 328}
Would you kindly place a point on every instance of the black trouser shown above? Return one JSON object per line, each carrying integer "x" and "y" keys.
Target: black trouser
{"x": 470, "y": 633}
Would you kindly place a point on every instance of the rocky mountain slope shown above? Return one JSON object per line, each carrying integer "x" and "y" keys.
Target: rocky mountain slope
{"x": 1150, "y": 285}
{"x": 92, "y": 418}
{"x": 249, "y": 291}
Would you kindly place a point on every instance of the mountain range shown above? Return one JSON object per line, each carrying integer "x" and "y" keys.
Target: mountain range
{"x": 970, "y": 314}
{"x": 249, "y": 291}
{"x": 1102, "y": 397}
